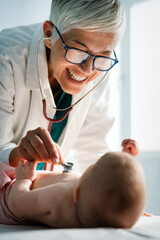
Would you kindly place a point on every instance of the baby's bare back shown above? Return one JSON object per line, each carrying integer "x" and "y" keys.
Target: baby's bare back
{"x": 58, "y": 190}
{"x": 45, "y": 178}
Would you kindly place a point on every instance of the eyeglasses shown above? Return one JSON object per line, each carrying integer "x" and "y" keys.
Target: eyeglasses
{"x": 77, "y": 56}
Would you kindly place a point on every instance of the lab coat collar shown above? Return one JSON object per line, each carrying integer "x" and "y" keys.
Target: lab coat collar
{"x": 31, "y": 73}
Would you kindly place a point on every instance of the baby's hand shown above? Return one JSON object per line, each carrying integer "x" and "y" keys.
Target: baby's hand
{"x": 26, "y": 170}
{"x": 130, "y": 146}
{"x": 144, "y": 214}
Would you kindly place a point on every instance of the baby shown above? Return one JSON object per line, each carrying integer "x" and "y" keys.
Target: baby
{"x": 110, "y": 193}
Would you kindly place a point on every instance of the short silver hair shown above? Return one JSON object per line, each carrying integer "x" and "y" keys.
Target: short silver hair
{"x": 106, "y": 16}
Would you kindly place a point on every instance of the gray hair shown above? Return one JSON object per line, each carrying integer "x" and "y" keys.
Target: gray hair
{"x": 106, "y": 16}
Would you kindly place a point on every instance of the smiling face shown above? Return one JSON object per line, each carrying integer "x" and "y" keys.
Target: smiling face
{"x": 73, "y": 78}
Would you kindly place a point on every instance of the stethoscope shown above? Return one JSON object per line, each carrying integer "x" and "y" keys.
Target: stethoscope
{"x": 68, "y": 165}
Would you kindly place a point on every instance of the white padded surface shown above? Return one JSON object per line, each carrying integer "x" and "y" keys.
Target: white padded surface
{"x": 145, "y": 228}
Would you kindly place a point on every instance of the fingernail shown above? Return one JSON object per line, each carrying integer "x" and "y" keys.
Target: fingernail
{"x": 55, "y": 160}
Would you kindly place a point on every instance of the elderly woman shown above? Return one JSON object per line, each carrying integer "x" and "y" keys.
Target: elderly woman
{"x": 45, "y": 68}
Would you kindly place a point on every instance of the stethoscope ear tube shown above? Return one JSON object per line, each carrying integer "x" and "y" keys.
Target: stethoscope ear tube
{"x": 37, "y": 68}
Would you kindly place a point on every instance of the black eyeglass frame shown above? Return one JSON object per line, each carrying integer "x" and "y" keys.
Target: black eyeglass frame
{"x": 90, "y": 55}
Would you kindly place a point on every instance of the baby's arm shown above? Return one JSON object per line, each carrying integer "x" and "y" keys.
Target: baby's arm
{"x": 40, "y": 205}
{"x": 130, "y": 146}
{"x": 25, "y": 173}
{"x": 22, "y": 201}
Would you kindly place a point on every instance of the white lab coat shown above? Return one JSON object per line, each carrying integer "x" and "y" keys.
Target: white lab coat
{"x": 21, "y": 102}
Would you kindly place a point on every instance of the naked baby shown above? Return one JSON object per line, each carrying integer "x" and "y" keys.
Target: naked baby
{"x": 110, "y": 193}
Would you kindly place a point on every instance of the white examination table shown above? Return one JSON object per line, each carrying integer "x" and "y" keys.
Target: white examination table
{"x": 145, "y": 229}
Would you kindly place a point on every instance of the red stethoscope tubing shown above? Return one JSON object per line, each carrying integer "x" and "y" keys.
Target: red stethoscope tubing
{"x": 50, "y": 125}
{"x": 54, "y": 120}
{"x": 68, "y": 109}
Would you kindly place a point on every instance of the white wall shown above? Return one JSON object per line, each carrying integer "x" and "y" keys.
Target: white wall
{"x": 140, "y": 87}
{"x": 145, "y": 93}
{"x": 145, "y": 74}
{"x": 18, "y": 12}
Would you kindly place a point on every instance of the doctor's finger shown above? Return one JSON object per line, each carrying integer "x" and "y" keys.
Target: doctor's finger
{"x": 59, "y": 152}
{"x": 49, "y": 143}
{"x": 23, "y": 148}
{"x": 24, "y": 154}
{"x": 39, "y": 147}
{"x": 54, "y": 153}
{"x": 32, "y": 151}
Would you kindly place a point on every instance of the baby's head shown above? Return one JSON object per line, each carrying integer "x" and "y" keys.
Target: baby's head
{"x": 112, "y": 192}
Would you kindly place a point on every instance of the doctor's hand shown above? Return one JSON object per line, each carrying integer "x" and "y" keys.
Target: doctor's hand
{"x": 37, "y": 146}
{"x": 130, "y": 146}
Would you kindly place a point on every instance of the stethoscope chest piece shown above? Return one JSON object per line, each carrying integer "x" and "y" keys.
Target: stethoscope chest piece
{"x": 68, "y": 167}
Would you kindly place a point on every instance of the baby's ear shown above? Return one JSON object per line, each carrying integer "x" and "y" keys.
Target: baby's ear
{"x": 75, "y": 193}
